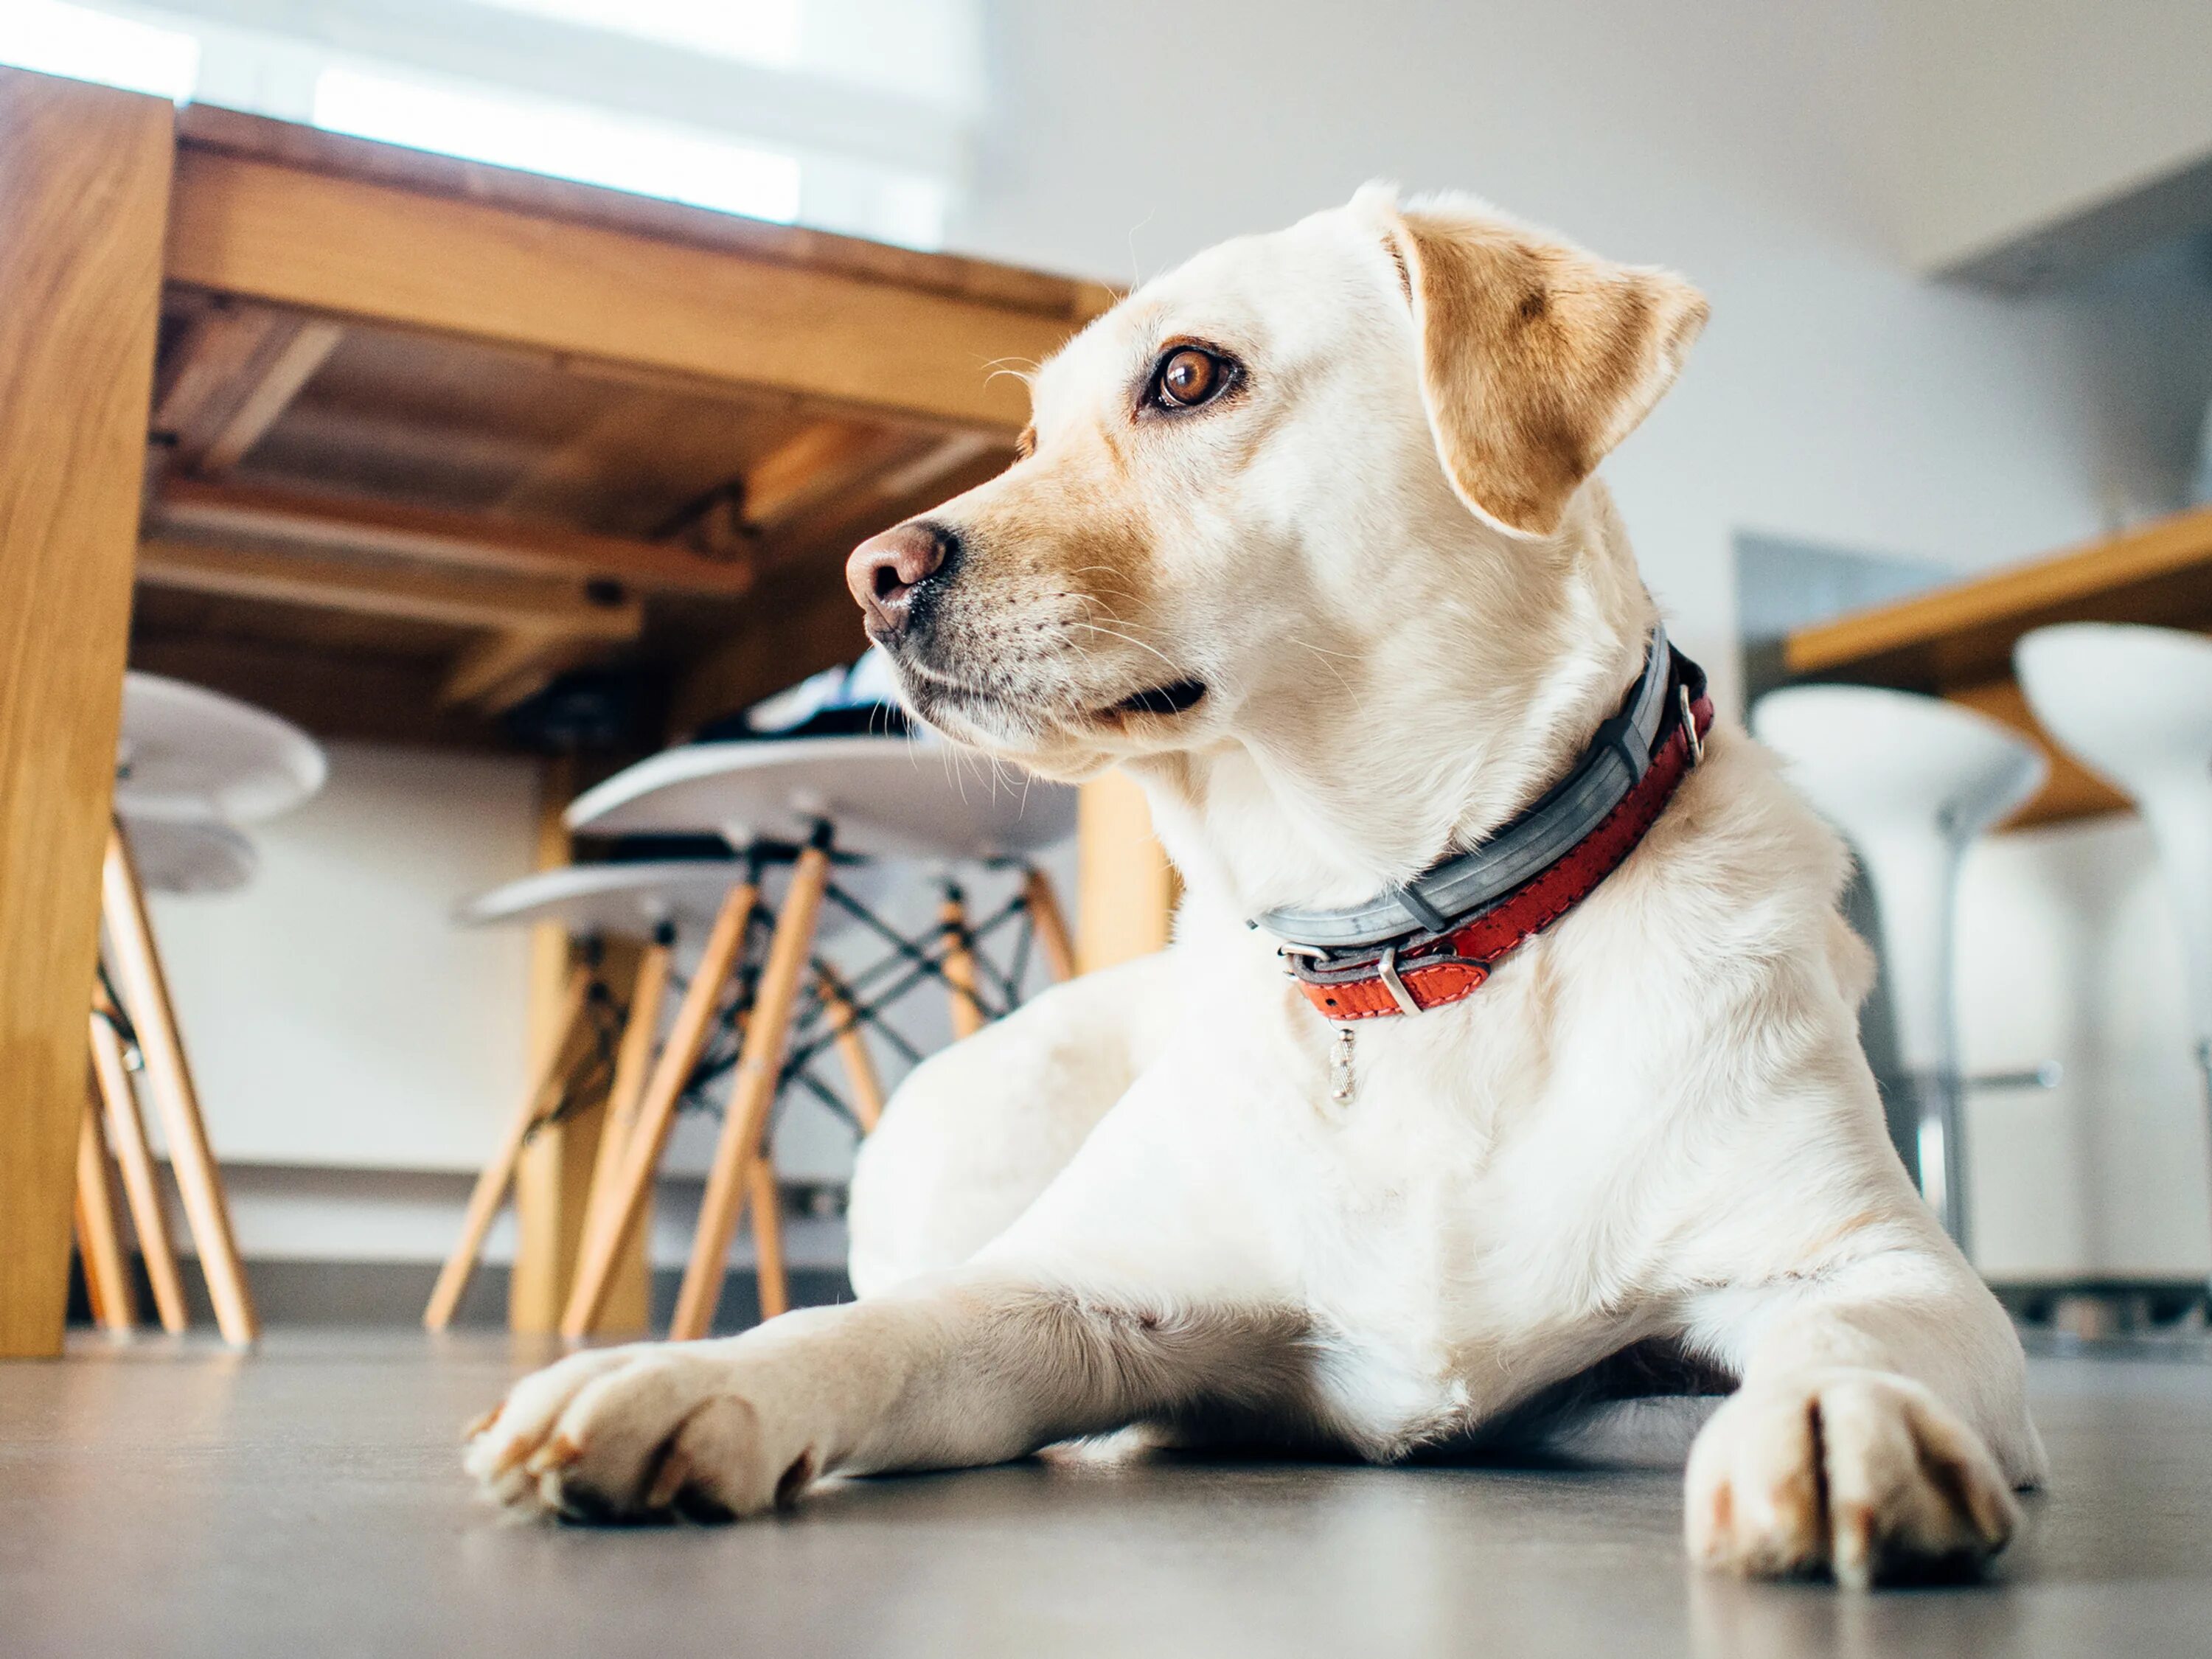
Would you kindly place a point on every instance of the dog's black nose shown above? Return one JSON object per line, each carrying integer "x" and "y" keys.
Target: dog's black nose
{"x": 884, "y": 570}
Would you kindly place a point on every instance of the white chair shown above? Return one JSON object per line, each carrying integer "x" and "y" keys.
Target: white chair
{"x": 650, "y": 902}
{"x": 878, "y": 797}
{"x": 2134, "y": 705}
{"x": 191, "y": 765}
{"x": 1910, "y": 782}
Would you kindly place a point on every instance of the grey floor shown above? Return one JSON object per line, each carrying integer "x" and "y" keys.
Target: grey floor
{"x": 158, "y": 1499}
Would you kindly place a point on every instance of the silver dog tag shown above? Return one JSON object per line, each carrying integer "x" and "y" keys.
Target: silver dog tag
{"x": 1340, "y": 1067}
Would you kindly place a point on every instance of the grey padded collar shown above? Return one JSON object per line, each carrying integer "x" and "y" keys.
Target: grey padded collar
{"x": 1613, "y": 764}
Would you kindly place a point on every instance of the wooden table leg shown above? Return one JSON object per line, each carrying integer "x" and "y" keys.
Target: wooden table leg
{"x": 959, "y": 964}
{"x": 498, "y": 1174}
{"x": 752, "y": 1092}
{"x": 628, "y": 1304}
{"x": 1051, "y": 925}
{"x": 142, "y": 1188}
{"x": 765, "y": 1199}
{"x": 145, "y": 994}
{"x": 106, "y": 1279}
{"x": 84, "y": 195}
{"x": 867, "y": 1088}
{"x": 602, "y": 1241}
{"x": 1125, "y": 888}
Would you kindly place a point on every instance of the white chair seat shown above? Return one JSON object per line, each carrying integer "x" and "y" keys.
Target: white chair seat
{"x": 887, "y": 796}
{"x": 185, "y": 750}
{"x": 1910, "y": 782}
{"x": 1870, "y": 758}
{"x": 2133, "y": 704}
{"x": 633, "y": 900}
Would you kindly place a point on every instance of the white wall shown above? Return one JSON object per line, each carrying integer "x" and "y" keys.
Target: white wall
{"x": 334, "y": 1013}
{"x": 1835, "y": 397}
{"x": 2018, "y": 114}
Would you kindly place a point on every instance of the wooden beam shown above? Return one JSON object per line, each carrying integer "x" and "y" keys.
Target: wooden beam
{"x": 200, "y": 378}
{"x": 210, "y": 128}
{"x": 819, "y": 461}
{"x": 386, "y": 589}
{"x": 498, "y": 673}
{"x": 335, "y": 695}
{"x": 270, "y": 393}
{"x": 234, "y": 374}
{"x": 286, "y": 235}
{"x": 431, "y": 536}
{"x": 84, "y": 188}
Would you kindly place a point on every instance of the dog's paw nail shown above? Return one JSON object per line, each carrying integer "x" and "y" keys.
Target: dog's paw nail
{"x": 556, "y": 1455}
{"x": 480, "y": 1422}
{"x": 670, "y": 1481}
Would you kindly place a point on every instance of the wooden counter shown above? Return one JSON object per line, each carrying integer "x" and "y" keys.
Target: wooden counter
{"x": 1956, "y": 642}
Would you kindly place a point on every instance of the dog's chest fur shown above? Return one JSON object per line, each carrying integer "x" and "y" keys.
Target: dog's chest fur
{"x": 1450, "y": 1226}
{"x": 1497, "y": 1206}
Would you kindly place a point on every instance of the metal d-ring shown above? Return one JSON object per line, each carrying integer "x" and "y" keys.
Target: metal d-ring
{"x": 1387, "y": 968}
{"x": 1690, "y": 728}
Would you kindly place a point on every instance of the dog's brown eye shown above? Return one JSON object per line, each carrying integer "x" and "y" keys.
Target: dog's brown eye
{"x": 1189, "y": 377}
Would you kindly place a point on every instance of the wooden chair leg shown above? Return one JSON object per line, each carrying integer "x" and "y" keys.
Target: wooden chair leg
{"x": 751, "y": 1093}
{"x": 640, "y": 1157}
{"x": 860, "y": 1078}
{"x": 625, "y": 1094}
{"x": 1051, "y": 924}
{"x": 106, "y": 1279}
{"x": 959, "y": 964}
{"x": 146, "y": 998}
{"x": 142, "y": 1188}
{"x": 491, "y": 1190}
{"x": 766, "y": 1202}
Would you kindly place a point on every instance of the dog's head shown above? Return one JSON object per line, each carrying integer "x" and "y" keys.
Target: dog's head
{"x": 1246, "y": 483}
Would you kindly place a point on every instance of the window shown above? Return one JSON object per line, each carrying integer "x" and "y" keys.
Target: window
{"x": 756, "y": 31}
{"x": 85, "y": 45}
{"x": 852, "y": 115}
{"x": 561, "y": 139}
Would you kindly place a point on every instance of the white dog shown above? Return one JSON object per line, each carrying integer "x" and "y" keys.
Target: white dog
{"x": 1305, "y": 538}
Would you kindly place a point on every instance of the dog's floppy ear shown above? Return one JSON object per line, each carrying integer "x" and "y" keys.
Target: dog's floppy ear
{"x": 1537, "y": 357}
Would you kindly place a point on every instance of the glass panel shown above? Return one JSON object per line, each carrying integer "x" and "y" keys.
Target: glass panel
{"x": 591, "y": 146}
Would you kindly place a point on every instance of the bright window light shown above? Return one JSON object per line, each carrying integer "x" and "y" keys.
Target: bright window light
{"x": 757, "y": 31}
{"x": 85, "y": 45}
{"x": 590, "y": 146}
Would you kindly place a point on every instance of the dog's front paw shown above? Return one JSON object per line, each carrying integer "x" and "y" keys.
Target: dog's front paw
{"x": 642, "y": 1433}
{"x": 1859, "y": 1472}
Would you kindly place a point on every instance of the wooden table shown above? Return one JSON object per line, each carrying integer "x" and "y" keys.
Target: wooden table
{"x": 386, "y": 441}
{"x": 1956, "y": 642}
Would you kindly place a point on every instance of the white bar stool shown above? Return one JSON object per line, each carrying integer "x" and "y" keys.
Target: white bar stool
{"x": 1910, "y": 782}
{"x": 879, "y": 798}
{"x": 2134, "y": 705}
{"x": 191, "y": 765}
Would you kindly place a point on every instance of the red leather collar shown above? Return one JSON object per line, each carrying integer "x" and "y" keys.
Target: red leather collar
{"x": 1429, "y": 970}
